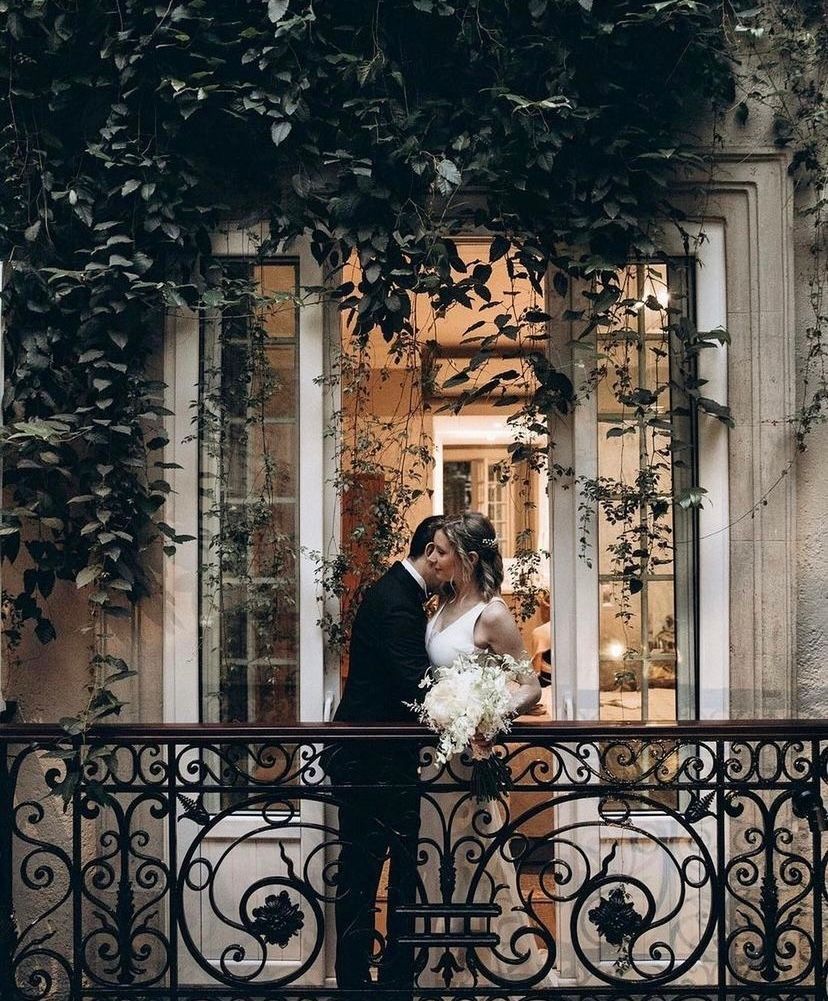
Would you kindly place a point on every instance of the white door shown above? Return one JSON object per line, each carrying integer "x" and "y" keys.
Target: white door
{"x": 241, "y": 637}
{"x": 639, "y": 855}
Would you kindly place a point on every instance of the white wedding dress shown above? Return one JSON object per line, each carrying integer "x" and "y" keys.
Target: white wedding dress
{"x": 466, "y": 862}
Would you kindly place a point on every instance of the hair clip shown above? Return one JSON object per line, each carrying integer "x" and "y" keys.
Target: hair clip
{"x": 490, "y": 543}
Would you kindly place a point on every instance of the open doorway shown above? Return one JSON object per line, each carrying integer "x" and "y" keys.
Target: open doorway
{"x": 473, "y": 471}
{"x": 408, "y": 448}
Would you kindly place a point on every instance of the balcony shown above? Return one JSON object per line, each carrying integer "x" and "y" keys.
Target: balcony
{"x": 627, "y": 862}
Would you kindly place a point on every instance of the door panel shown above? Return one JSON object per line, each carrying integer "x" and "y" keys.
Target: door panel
{"x": 243, "y": 644}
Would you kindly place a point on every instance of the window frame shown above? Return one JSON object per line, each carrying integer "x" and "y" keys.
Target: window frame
{"x": 181, "y": 572}
{"x": 576, "y": 588}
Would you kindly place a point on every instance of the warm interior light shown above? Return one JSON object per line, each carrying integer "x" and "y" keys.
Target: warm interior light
{"x": 663, "y": 296}
{"x": 615, "y": 650}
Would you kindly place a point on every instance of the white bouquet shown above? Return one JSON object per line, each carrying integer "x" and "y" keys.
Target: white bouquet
{"x": 471, "y": 699}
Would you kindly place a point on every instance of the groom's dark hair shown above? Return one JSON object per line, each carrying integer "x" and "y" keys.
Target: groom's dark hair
{"x": 424, "y": 534}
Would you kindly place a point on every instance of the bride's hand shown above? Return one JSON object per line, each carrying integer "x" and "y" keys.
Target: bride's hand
{"x": 538, "y": 709}
{"x": 480, "y": 747}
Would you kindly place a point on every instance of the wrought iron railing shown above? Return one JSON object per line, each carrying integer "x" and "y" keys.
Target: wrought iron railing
{"x": 203, "y": 862}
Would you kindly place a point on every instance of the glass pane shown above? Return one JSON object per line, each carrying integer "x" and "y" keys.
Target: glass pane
{"x": 618, "y": 450}
{"x": 620, "y": 358}
{"x": 274, "y": 381}
{"x": 280, "y": 282}
{"x": 620, "y": 445}
{"x": 497, "y": 496}
{"x": 657, "y": 371}
{"x": 275, "y": 693}
{"x": 617, "y": 538}
{"x": 233, "y": 624}
{"x": 654, "y": 286}
{"x": 661, "y": 661}
{"x": 457, "y": 487}
{"x": 249, "y": 600}
{"x": 272, "y": 459}
{"x": 274, "y": 542}
{"x": 662, "y": 540}
{"x": 235, "y": 377}
{"x": 234, "y": 458}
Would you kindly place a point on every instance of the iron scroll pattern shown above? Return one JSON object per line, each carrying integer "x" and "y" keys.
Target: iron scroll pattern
{"x": 620, "y": 866}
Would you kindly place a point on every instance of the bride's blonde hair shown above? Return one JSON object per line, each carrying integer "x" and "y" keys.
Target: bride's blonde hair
{"x": 474, "y": 533}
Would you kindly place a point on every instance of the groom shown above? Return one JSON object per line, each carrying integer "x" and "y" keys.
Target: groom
{"x": 380, "y": 812}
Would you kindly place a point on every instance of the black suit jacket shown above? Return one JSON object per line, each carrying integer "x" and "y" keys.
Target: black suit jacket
{"x": 388, "y": 660}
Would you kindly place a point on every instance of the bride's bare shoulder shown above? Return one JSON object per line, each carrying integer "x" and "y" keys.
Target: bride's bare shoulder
{"x": 496, "y": 612}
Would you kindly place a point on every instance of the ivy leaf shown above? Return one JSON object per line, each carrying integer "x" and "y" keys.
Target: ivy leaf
{"x": 448, "y": 176}
{"x": 130, "y": 186}
{"x": 71, "y": 725}
{"x": 546, "y": 161}
{"x": 276, "y": 10}
{"x": 87, "y": 574}
{"x": 560, "y": 282}
{"x": 32, "y": 232}
{"x": 499, "y": 247}
{"x": 45, "y": 631}
{"x": 92, "y": 355}
{"x": 692, "y": 497}
{"x": 279, "y": 131}
{"x": 716, "y": 409}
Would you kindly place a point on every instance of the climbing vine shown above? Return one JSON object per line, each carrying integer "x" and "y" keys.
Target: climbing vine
{"x": 379, "y": 133}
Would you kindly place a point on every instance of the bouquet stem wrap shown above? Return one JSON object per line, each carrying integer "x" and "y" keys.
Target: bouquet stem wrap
{"x": 490, "y": 778}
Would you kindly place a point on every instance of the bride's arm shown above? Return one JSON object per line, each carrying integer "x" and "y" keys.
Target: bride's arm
{"x": 497, "y": 631}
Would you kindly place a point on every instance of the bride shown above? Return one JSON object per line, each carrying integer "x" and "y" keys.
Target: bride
{"x": 465, "y": 858}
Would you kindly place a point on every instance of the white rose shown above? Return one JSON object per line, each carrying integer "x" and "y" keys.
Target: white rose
{"x": 448, "y": 699}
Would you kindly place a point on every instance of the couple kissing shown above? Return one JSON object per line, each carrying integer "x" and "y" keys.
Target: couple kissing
{"x": 383, "y": 812}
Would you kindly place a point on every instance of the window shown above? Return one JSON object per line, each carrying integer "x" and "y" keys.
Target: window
{"x": 645, "y": 444}
{"x": 249, "y": 599}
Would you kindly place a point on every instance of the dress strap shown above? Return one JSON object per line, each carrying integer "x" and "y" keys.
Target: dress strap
{"x": 483, "y": 605}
